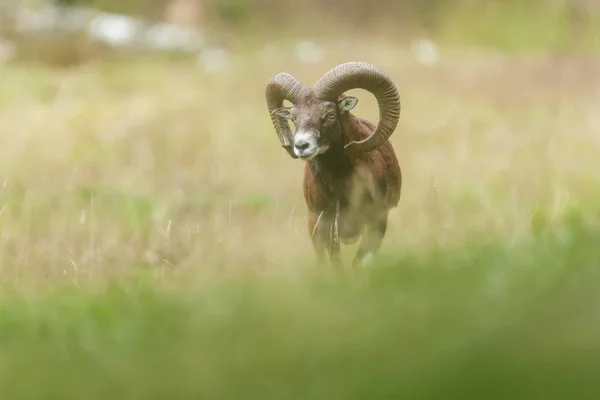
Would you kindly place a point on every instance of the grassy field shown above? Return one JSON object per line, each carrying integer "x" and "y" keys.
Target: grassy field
{"x": 154, "y": 245}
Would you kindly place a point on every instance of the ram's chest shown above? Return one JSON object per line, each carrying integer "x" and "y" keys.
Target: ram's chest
{"x": 323, "y": 189}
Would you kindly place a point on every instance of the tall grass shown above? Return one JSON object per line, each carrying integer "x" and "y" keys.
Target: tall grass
{"x": 117, "y": 166}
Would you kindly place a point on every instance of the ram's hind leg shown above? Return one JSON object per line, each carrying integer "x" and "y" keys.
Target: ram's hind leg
{"x": 371, "y": 240}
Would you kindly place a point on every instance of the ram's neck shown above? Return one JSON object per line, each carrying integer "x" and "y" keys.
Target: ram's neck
{"x": 332, "y": 164}
{"x": 333, "y": 168}
{"x": 355, "y": 129}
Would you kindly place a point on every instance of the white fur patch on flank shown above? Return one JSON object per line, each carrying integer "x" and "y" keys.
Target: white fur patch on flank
{"x": 317, "y": 223}
{"x": 367, "y": 259}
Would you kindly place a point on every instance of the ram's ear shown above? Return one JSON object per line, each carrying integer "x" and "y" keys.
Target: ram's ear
{"x": 283, "y": 112}
{"x": 347, "y": 103}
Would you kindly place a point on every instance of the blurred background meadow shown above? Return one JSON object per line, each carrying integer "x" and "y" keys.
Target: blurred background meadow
{"x": 153, "y": 233}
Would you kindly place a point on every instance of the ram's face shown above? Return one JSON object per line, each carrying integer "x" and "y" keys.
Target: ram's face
{"x": 317, "y": 124}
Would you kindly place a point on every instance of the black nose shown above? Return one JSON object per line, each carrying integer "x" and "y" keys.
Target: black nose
{"x": 301, "y": 145}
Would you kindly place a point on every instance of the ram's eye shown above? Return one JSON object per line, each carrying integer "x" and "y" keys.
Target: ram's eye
{"x": 331, "y": 115}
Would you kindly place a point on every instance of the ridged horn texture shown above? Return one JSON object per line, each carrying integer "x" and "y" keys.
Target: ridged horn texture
{"x": 361, "y": 75}
{"x": 282, "y": 87}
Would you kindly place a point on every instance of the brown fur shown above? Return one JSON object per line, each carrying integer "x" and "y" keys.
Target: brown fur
{"x": 367, "y": 186}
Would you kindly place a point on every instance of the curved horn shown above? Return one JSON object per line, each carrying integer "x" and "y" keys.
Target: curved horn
{"x": 360, "y": 75}
{"x": 282, "y": 87}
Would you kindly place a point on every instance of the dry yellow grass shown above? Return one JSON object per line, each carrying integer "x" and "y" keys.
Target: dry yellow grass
{"x": 116, "y": 167}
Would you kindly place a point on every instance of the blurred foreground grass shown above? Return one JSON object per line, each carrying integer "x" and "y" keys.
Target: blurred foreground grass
{"x": 479, "y": 320}
{"x": 153, "y": 235}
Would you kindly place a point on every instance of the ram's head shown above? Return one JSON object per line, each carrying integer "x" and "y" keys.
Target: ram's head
{"x": 317, "y": 112}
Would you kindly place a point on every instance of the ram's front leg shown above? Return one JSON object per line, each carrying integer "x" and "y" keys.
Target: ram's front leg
{"x": 333, "y": 247}
{"x": 317, "y": 231}
{"x": 322, "y": 229}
